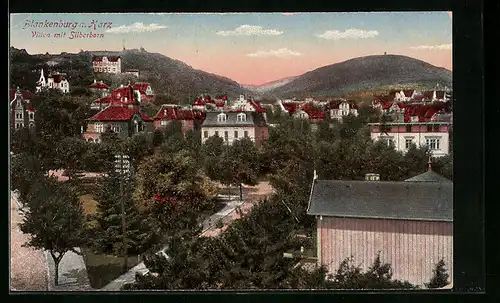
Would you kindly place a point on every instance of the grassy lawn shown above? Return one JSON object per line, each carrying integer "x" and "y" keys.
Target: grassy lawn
{"x": 102, "y": 269}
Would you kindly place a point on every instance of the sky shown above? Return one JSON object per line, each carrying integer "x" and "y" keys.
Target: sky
{"x": 250, "y": 48}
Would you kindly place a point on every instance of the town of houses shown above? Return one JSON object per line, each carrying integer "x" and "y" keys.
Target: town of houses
{"x": 423, "y": 118}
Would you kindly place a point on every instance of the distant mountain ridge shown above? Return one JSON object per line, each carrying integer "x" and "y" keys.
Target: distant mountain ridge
{"x": 361, "y": 75}
{"x": 269, "y": 85}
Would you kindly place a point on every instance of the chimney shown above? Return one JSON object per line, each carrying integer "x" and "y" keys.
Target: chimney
{"x": 372, "y": 177}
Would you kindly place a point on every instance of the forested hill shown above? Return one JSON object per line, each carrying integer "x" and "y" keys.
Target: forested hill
{"x": 364, "y": 74}
{"x": 173, "y": 80}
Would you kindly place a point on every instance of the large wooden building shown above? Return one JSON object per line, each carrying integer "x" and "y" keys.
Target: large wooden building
{"x": 409, "y": 223}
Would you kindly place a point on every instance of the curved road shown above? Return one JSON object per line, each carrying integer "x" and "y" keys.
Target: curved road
{"x": 28, "y": 267}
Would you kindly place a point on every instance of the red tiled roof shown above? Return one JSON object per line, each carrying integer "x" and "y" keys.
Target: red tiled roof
{"x": 58, "y": 78}
{"x": 141, "y": 87}
{"x": 220, "y": 103}
{"x": 401, "y": 105}
{"x": 258, "y": 108}
{"x": 427, "y": 95}
{"x": 119, "y": 113}
{"x": 174, "y": 113}
{"x": 99, "y": 85}
{"x": 26, "y": 94}
{"x": 110, "y": 58}
{"x": 314, "y": 113}
{"x": 221, "y": 98}
{"x": 408, "y": 93}
{"x": 119, "y": 94}
{"x": 30, "y": 108}
{"x": 387, "y": 105}
{"x": 291, "y": 108}
{"x": 106, "y": 99}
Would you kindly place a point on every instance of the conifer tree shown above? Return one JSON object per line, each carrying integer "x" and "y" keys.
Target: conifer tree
{"x": 440, "y": 277}
{"x": 108, "y": 235}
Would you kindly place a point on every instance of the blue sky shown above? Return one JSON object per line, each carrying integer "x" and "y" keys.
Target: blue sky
{"x": 253, "y": 48}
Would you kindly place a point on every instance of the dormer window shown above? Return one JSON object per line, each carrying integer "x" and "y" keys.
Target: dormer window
{"x": 241, "y": 117}
{"x": 221, "y": 117}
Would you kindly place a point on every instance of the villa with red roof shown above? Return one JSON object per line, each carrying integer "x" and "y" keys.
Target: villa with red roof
{"x": 107, "y": 64}
{"x": 22, "y": 113}
{"x": 55, "y": 80}
{"x": 122, "y": 116}
{"x": 190, "y": 119}
{"x": 144, "y": 92}
{"x": 100, "y": 88}
{"x": 206, "y": 103}
{"x": 309, "y": 111}
{"x": 123, "y": 94}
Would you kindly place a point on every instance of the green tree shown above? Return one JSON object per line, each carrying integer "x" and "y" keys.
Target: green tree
{"x": 173, "y": 176}
{"x": 240, "y": 164}
{"x": 70, "y": 152}
{"x": 25, "y": 170}
{"x": 440, "y": 277}
{"x": 54, "y": 221}
{"x": 212, "y": 151}
{"x": 108, "y": 228}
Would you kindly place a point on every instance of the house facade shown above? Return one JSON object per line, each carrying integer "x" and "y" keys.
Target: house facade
{"x": 409, "y": 224}
{"x": 107, "y": 64}
{"x": 55, "y": 80}
{"x": 340, "y": 108}
{"x": 134, "y": 72}
{"x": 234, "y": 125}
{"x": 435, "y": 135}
{"x": 22, "y": 114}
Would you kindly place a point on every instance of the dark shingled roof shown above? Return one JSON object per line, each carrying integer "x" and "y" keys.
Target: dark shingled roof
{"x": 252, "y": 119}
{"x": 428, "y": 176}
{"x": 426, "y": 201}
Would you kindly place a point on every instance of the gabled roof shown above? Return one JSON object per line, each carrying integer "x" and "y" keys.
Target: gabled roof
{"x": 252, "y": 119}
{"x": 119, "y": 113}
{"x": 408, "y": 92}
{"x": 174, "y": 113}
{"x": 110, "y": 58}
{"x": 387, "y": 105}
{"x": 26, "y": 94}
{"x": 426, "y": 201}
{"x": 291, "y": 108}
{"x": 99, "y": 85}
{"x": 428, "y": 95}
{"x": 141, "y": 87}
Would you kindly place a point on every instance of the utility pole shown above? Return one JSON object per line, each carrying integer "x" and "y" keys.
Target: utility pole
{"x": 122, "y": 165}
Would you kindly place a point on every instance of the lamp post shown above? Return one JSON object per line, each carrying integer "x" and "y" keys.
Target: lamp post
{"x": 122, "y": 167}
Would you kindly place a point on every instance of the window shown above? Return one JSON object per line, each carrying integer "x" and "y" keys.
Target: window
{"x": 221, "y": 117}
{"x": 408, "y": 128}
{"x": 245, "y": 134}
{"x": 408, "y": 143}
{"x": 226, "y": 135}
{"x": 241, "y": 117}
{"x": 99, "y": 127}
{"x": 19, "y": 115}
{"x": 116, "y": 128}
{"x": 205, "y": 134}
{"x": 163, "y": 122}
{"x": 429, "y": 128}
{"x": 216, "y": 133}
{"x": 433, "y": 143}
{"x": 236, "y": 134}
{"x": 435, "y": 127}
{"x": 19, "y": 125}
{"x": 32, "y": 116}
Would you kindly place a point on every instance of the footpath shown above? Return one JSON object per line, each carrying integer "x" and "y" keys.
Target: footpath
{"x": 226, "y": 215}
{"x": 72, "y": 270}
